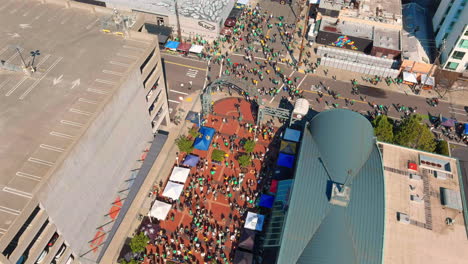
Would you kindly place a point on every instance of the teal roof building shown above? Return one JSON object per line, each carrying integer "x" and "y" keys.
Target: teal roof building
{"x": 336, "y": 211}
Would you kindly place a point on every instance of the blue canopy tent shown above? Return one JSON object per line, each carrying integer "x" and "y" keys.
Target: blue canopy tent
{"x": 191, "y": 160}
{"x": 193, "y": 117}
{"x": 285, "y": 160}
{"x": 172, "y": 45}
{"x": 203, "y": 142}
{"x": 466, "y": 129}
{"x": 266, "y": 201}
{"x": 292, "y": 135}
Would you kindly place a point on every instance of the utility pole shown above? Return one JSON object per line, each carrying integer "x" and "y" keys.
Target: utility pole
{"x": 179, "y": 32}
{"x": 304, "y": 31}
{"x": 442, "y": 48}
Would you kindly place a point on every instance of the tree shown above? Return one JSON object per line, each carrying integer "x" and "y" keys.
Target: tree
{"x": 218, "y": 155}
{"x": 245, "y": 160}
{"x": 138, "y": 243}
{"x": 184, "y": 144}
{"x": 194, "y": 132}
{"x": 249, "y": 146}
{"x": 442, "y": 148}
{"x": 412, "y": 133}
{"x": 383, "y": 129}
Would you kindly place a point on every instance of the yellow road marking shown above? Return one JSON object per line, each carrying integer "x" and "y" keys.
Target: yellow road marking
{"x": 184, "y": 65}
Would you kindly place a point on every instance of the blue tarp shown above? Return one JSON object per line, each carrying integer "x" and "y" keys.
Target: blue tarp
{"x": 193, "y": 117}
{"x": 266, "y": 201}
{"x": 292, "y": 135}
{"x": 285, "y": 160}
{"x": 172, "y": 45}
{"x": 204, "y": 140}
{"x": 191, "y": 160}
{"x": 466, "y": 129}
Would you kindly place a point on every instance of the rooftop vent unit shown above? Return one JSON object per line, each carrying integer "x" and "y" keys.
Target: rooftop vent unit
{"x": 340, "y": 194}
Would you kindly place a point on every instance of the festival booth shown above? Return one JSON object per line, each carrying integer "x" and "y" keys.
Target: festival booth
{"x": 159, "y": 210}
{"x": 247, "y": 239}
{"x": 191, "y": 160}
{"x": 184, "y": 47}
{"x": 172, "y": 45}
{"x": 274, "y": 186}
{"x": 448, "y": 122}
{"x": 282, "y": 173}
{"x": 428, "y": 81}
{"x": 173, "y": 190}
{"x": 266, "y": 201}
{"x": 226, "y": 31}
{"x": 288, "y": 147}
{"x": 179, "y": 174}
{"x": 150, "y": 229}
{"x": 254, "y": 221}
{"x": 466, "y": 129}
{"x": 409, "y": 78}
{"x": 197, "y": 49}
{"x": 285, "y": 160}
{"x": 203, "y": 141}
{"x": 242, "y": 257}
{"x": 193, "y": 117}
{"x": 292, "y": 135}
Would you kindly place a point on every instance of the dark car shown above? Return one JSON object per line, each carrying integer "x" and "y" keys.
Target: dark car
{"x": 230, "y": 22}
{"x": 53, "y": 240}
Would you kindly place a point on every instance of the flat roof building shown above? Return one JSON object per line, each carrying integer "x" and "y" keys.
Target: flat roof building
{"x": 356, "y": 200}
{"x": 79, "y": 105}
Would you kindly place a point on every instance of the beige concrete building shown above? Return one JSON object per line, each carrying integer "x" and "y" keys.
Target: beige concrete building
{"x": 425, "y": 208}
{"x": 81, "y": 96}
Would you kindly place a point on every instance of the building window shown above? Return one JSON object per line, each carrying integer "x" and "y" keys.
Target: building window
{"x": 457, "y": 14}
{"x": 458, "y": 55}
{"x": 147, "y": 60}
{"x": 463, "y": 44}
{"x": 450, "y": 27}
{"x": 451, "y": 65}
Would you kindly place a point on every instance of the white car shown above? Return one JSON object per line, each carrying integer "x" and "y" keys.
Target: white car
{"x": 60, "y": 251}
{"x": 42, "y": 256}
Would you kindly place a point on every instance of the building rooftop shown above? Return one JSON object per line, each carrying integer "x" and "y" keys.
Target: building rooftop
{"x": 336, "y": 209}
{"x": 212, "y": 11}
{"x": 416, "y": 44}
{"x": 386, "y": 38}
{"x": 347, "y": 28}
{"x": 427, "y": 238}
{"x": 78, "y": 67}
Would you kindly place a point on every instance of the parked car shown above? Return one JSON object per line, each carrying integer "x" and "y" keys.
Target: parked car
{"x": 230, "y": 22}
{"x": 60, "y": 252}
{"x": 42, "y": 256}
{"x": 53, "y": 240}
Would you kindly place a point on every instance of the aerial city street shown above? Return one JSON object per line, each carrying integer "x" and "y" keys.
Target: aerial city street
{"x": 233, "y": 131}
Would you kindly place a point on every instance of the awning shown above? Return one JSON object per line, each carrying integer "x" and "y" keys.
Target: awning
{"x": 288, "y": 147}
{"x": 204, "y": 140}
{"x": 242, "y": 257}
{"x": 247, "y": 239}
{"x": 173, "y": 190}
{"x": 285, "y": 160}
{"x": 254, "y": 221}
{"x": 159, "y": 210}
{"x": 172, "y": 45}
{"x": 179, "y": 174}
{"x": 427, "y": 80}
{"x": 191, "y": 160}
{"x": 409, "y": 77}
{"x": 292, "y": 135}
{"x": 185, "y": 47}
{"x": 196, "y": 49}
{"x": 266, "y": 201}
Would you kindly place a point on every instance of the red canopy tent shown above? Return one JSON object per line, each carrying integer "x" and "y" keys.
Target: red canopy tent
{"x": 274, "y": 186}
{"x": 184, "y": 47}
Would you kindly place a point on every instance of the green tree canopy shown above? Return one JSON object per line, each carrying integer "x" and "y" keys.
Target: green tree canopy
{"x": 249, "y": 146}
{"x": 383, "y": 129}
{"x": 412, "y": 133}
{"x": 138, "y": 243}
{"x": 218, "y": 155}
{"x": 442, "y": 148}
{"x": 184, "y": 144}
{"x": 194, "y": 132}
{"x": 245, "y": 160}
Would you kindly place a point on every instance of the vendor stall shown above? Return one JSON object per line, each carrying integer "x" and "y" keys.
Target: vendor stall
{"x": 159, "y": 210}
{"x": 173, "y": 190}
{"x": 292, "y": 135}
{"x": 179, "y": 174}
{"x": 247, "y": 239}
{"x": 191, "y": 160}
{"x": 428, "y": 82}
{"x": 288, "y": 147}
{"x": 172, "y": 45}
{"x": 203, "y": 141}
{"x": 285, "y": 160}
{"x": 184, "y": 47}
{"x": 254, "y": 221}
{"x": 197, "y": 49}
{"x": 409, "y": 78}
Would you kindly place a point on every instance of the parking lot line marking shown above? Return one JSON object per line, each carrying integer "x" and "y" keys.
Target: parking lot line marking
{"x": 12, "y": 90}
{"x": 77, "y": 111}
{"x": 40, "y": 79}
{"x": 105, "y": 81}
{"x": 88, "y": 27}
{"x": 71, "y": 123}
{"x": 27, "y": 175}
{"x": 62, "y": 135}
{"x": 113, "y": 72}
{"x": 42, "y": 162}
{"x": 87, "y": 101}
{"x": 173, "y": 101}
{"x": 9, "y": 210}
{"x": 119, "y": 63}
{"x": 179, "y": 92}
{"x": 453, "y": 108}
{"x": 52, "y": 148}
{"x": 17, "y": 192}
{"x": 97, "y": 91}
{"x": 184, "y": 65}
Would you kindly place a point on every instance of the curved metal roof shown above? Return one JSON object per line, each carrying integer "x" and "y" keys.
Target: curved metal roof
{"x": 344, "y": 139}
{"x": 317, "y": 231}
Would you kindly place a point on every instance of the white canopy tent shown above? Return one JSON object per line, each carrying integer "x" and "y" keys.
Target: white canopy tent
{"x": 427, "y": 80}
{"x": 243, "y": 2}
{"x": 179, "y": 174}
{"x": 301, "y": 107}
{"x": 254, "y": 221}
{"x": 173, "y": 190}
{"x": 196, "y": 49}
{"x": 409, "y": 77}
{"x": 159, "y": 210}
